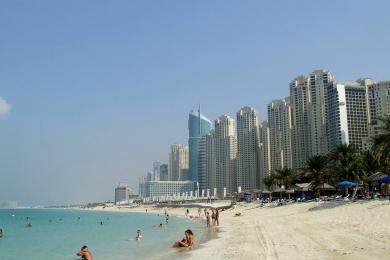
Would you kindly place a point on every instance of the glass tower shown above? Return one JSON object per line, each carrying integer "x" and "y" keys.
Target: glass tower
{"x": 198, "y": 126}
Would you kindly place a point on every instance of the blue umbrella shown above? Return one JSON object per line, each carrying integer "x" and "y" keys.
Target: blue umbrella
{"x": 346, "y": 184}
{"x": 385, "y": 179}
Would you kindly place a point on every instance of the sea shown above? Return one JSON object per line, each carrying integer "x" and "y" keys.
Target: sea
{"x": 59, "y": 234}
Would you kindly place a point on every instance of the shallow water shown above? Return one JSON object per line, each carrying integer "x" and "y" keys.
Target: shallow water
{"x": 59, "y": 234}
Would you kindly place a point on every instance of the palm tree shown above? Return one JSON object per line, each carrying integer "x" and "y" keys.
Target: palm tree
{"x": 317, "y": 171}
{"x": 381, "y": 142}
{"x": 269, "y": 181}
{"x": 371, "y": 163}
{"x": 285, "y": 176}
{"x": 347, "y": 164}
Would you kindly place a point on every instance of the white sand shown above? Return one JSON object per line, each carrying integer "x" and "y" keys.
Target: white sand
{"x": 359, "y": 230}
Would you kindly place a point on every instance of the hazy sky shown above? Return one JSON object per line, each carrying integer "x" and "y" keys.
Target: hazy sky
{"x": 93, "y": 91}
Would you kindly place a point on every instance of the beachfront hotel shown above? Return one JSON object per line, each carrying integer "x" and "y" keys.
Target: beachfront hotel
{"x": 265, "y": 150}
{"x": 159, "y": 189}
{"x": 347, "y": 114}
{"x": 248, "y": 146}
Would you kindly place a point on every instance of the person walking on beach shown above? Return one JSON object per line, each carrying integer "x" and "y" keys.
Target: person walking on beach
{"x": 187, "y": 212}
{"x": 205, "y": 212}
{"x": 188, "y": 241}
{"x": 85, "y": 253}
{"x": 217, "y": 217}
{"x": 213, "y": 217}
{"x": 208, "y": 219}
{"x": 199, "y": 212}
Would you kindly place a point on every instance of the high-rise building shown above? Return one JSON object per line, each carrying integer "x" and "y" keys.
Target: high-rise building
{"x": 280, "y": 126}
{"x": 202, "y": 164}
{"x": 156, "y": 171}
{"x": 301, "y": 130}
{"x": 163, "y": 172}
{"x": 198, "y": 126}
{"x": 347, "y": 114}
{"x": 178, "y": 163}
{"x": 248, "y": 145}
{"x": 318, "y": 81}
{"x": 225, "y": 143}
{"x": 211, "y": 171}
{"x": 378, "y": 96}
{"x": 265, "y": 150}
{"x": 149, "y": 176}
{"x": 122, "y": 193}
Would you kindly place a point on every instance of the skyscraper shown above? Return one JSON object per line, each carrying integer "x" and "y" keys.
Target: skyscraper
{"x": 178, "y": 162}
{"x": 265, "y": 150}
{"x": 318, "y": 81}
{"x": 164, "y": 172}
{"x": 248, "y": 144}
{"x": 202, "y": 162}
{"x": 280, "y": 125}
{"x": 198, "y": 126}
{"x": 301, "y": 140}
{"x": 122, "y": 193}
{"x": 378, "y": 95}
{"x": 347, "y": 114}
{"x": 225, "y": 143}
{"x": 156, "y": 171}
{"x": 210, "y": 162}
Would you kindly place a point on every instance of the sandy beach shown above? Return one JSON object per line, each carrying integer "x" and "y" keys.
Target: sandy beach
{"x": 314, "y": 230}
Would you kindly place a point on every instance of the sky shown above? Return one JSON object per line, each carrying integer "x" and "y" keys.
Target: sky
{"x": 92, "y": 92}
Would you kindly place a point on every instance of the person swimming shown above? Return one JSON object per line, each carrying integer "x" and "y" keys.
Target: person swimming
{"x": 29, "y": 225}
{"x": 85, "y": 253}
{"x": 188, "y": 241}
{"x": 138, "y": 236}
{"x": 158, "y": 225}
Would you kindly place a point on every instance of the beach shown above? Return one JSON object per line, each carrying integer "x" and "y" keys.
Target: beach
{"x": 311, "y": 230}
{"x": 314, "y": 230}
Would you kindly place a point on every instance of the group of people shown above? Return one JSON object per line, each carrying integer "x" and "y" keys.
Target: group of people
{"x": 213, "y": 218}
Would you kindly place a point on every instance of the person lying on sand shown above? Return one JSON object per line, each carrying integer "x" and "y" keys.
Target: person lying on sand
{"x": 188, "y": 241}
{"x": 237, "y": 214}
{"x": 85, "y": 253}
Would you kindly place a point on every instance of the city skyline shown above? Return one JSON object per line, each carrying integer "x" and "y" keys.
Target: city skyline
{"x": 91, "y": 95}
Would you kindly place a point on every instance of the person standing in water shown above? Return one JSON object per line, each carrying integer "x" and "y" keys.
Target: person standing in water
{"x": 1, "y": 233}
{"x": 217, "y": 217}
{"x": 85, "y": 253}
{"x": 138, "y": 236}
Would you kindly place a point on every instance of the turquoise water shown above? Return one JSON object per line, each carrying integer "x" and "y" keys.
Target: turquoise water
{"x": 59, "y": 234}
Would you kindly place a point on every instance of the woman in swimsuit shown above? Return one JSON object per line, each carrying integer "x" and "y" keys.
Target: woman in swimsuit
{"x": 188, "y": 241}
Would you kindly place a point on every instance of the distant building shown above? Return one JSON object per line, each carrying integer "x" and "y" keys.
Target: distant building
{"x": 156, "y": 189}
{"x": 202, "y": 163}
{"x": 301, "y": 130}
{"x": 163, "y": 172}
{"x": 156, "y": 171}
{"x": 347, "y": 115}
{"x": 198, "y": 126}
{"x": 248, "y": 144}
{"x": 178, "y": 162}
{"x": 265, "y": 150}
{"x": 280, "y": 127}
{"x": 225, "y": 155}
{"x": 122, "y": 194}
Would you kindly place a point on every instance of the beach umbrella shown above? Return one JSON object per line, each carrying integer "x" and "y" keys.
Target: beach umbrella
{"x": 385, "y": 179}
{"x": 345, "y": 184}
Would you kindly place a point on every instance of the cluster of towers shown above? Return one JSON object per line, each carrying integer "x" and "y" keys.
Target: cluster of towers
{"x": 319, "y": 114}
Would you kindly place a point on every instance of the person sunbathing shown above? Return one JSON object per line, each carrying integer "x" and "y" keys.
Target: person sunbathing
{"x": 188, "y": 241}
